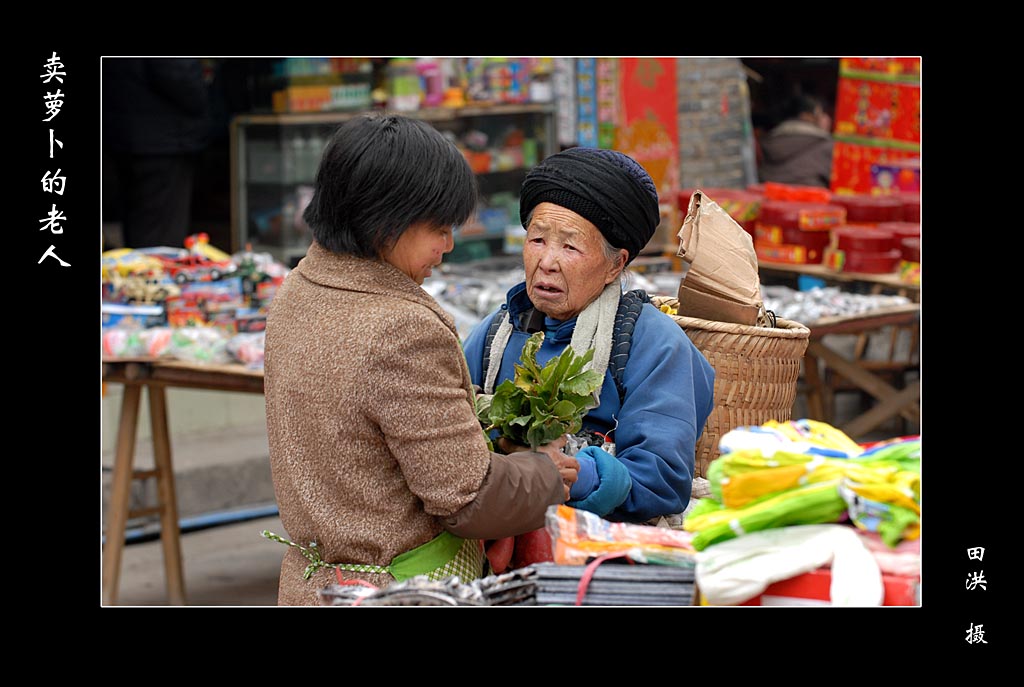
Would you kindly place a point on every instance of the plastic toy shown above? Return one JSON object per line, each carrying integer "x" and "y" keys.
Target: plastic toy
{"x": 126, "y": 261}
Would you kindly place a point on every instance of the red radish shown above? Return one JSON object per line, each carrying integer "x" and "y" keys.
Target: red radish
{"x": 499, "y": 553}
{"x": 532, "y": 547}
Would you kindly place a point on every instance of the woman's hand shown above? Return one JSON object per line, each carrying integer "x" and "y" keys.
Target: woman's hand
{"x": 568, "y": 466}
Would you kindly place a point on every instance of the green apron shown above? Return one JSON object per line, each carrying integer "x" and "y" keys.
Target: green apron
{"x": 443, "y": 556}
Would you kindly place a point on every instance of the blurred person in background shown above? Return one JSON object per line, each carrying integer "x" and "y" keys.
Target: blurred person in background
{"x": 156, "y": 119}
{"x": 799, "y": 149}
{"x": 376, "y": 452}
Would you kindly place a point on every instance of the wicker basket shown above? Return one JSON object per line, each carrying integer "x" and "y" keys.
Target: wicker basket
{"x": 756, "y": 372}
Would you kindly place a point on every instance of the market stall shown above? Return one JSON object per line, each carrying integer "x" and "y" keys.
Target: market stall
{"x": 154, "y": 376}
{"x": 785, "y": 508}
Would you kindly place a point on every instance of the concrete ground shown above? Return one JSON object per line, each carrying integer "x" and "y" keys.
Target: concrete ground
{"x": 222, "y": 473}
{"x": 230, "y": 565}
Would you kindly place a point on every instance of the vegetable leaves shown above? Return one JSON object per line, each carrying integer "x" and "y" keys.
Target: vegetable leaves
{"x": 541, "y": 404}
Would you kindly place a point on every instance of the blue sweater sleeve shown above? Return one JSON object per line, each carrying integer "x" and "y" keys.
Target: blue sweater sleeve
{"x": 669, "y": 395}
{"x": 473, "y": 348}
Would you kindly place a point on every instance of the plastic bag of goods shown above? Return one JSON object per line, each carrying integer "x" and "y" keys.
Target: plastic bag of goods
{"x": 200, "y": 345}
{"x": 247, "y": 348}
{"x": 578, "y": 535}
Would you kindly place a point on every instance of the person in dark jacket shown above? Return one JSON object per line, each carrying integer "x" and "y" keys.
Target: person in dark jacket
{"x": 799, "y": 149}
{"x": 156, "y": 119}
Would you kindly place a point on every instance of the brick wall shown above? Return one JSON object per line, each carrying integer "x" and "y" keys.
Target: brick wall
{"x": 715, "y": 133}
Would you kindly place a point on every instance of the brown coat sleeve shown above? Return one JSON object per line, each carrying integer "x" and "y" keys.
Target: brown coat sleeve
{"x": 513, "y": 498}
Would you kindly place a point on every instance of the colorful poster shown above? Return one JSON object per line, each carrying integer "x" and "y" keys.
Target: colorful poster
{"x": 586, "y": 102}
{"x": 649, "y": 126}
{"x": 565, "y": 102}
{"x": 875, "y": 109}
{"x": 858, "y": 168}
{"x": 607, "y": 101}
{"x": 877, "y": 126}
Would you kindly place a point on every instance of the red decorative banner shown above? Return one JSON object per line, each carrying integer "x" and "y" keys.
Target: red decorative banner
{"x": 649, "y": 126}
{"x": 877, "y": 126}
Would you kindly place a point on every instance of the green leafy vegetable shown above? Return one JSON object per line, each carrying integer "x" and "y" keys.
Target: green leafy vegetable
{"x": 538, "y": 405}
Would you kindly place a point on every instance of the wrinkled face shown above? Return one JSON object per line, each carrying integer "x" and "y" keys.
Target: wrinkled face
{"x": 565, "y": 261}
{"x": 419, "y": 249}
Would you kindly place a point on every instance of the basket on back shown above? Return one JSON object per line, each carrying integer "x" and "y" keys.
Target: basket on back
{"x": 756, "y": 372}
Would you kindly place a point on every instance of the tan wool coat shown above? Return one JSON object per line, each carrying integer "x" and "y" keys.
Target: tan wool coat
{"x": 374, "y": 444}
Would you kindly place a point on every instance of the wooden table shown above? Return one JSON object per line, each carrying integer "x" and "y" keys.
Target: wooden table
{"x": 155, "y": 375}
{"x": 877, "y": 282}
{"x": 891, "y": 401}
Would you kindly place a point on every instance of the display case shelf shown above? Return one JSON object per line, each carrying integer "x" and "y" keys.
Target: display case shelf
{"x": 274, "y": 158}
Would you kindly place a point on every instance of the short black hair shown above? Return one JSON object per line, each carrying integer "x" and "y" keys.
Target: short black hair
{"x": 803, "y": 103}
{"x": 381, "y": 173}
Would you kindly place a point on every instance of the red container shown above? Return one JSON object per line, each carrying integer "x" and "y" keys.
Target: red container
{"x": 853, "y": 239}
{"x": 796, "y": 193}
{"x": 741, "y": 205}
{"x": 865, "y": 209}
{"x": 902, "y": 230}
{"x": 788, "y": 253}
{"x": 867, "y": 262}
{"x": 814, "y": 241}
{"x": 797, "y": 215}
{"x": 911, "y": 206}
{"x": 814, "y": 588}
{"x": 910, "y": 249}
{"x": 873, "y": 263}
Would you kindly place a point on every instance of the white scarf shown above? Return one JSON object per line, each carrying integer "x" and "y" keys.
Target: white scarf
{"x": 594, "y": 330}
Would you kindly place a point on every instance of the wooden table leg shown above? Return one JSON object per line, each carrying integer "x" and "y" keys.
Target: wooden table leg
{"x": 120, "y": 493}
{"x": 815, "y": 406}
{"x": 169, "y": 527}
{"x": 892, "y": 402}
{"x": 862, "y": 424}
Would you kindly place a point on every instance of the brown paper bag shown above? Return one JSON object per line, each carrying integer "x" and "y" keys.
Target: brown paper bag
{"x": 720, "y": 278}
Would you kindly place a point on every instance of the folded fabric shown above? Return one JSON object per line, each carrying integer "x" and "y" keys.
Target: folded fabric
{"x": 904, "y": 559}
{"x": 794, "y": 436}
{"x": 766, "y": 475}
{"x": 815, "y": 503}
{"x": 890, "y": 518}
{"x": 734, "y": 571}
{"x": 742, "y": 476}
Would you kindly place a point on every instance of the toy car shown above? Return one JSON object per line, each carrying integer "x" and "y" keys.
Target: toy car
{"x": 193, "y": 267}
{"x": 200, "y": 262}
{"x": 146, "y": 290}
{"x": 127, "y": 261}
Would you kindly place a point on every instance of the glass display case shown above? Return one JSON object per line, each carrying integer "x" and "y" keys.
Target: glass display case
{"x": 274, "y": 158}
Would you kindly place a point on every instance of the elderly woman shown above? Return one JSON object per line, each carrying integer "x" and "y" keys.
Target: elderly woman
{"x": 587, "y": 214}
{"x": 380, "y": 469}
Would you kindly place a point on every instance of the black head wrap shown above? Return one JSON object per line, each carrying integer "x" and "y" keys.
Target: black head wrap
{"x": 606, "y": 187}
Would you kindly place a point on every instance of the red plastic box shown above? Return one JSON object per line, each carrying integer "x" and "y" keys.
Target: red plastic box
{"x": 812, "y": 589}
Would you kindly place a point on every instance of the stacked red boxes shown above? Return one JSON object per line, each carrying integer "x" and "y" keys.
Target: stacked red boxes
{"x": 868, "y": 210}
{"x": 864, "y": 249}
{"x": 911, "y": 205}
{"x": 795, "y": 232}
{"x": 805, "y": 194}
{"x": 908, "y": 236}
{"x": 814, "y": 589}
{"x": 742, "y": 206}
{"x": 902, "y": 230}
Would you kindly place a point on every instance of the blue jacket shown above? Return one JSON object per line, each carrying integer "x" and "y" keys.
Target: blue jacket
{"x": 669, "y": 394}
